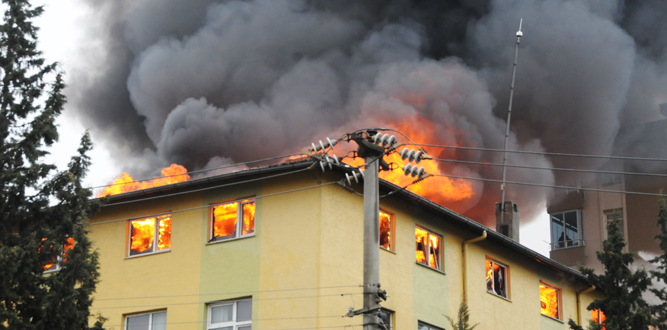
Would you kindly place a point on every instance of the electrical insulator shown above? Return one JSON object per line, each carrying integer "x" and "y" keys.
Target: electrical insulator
{"x": 412, "y": 155}
{"x": 323, "y": 146}
{"x": 406, "y": 169}
{"x": 354, "y": 176}
{"x": 413, "y": 171}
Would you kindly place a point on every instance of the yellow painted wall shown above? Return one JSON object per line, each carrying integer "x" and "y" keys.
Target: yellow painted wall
{"x": 303, "y": 266}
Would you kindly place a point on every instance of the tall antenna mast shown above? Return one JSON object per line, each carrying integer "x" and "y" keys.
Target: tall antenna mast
{"x": 519, "y": 34}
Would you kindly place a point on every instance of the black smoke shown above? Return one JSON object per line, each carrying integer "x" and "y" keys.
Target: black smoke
{"x": 202, "y": 83}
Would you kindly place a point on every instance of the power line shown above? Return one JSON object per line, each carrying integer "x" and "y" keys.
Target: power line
{"x": 553, "y": 186}
{"x": 542, "y": 153}
{"x": 234, "y": 292}
{"x": 208, "y": 206}
{"x": 550, "y": 168}
{"x": 197, "y": 171}
{"x": 207, "y": 188}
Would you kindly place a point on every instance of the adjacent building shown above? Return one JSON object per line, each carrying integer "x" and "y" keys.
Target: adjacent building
{"x": 280, "y": 247}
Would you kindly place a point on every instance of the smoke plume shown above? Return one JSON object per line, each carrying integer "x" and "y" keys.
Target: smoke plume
{"x": 212, "y": 82}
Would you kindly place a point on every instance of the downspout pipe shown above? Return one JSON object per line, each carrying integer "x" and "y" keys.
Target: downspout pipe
{"x": 465, "y": 258}
{"x": 579, "y": 293}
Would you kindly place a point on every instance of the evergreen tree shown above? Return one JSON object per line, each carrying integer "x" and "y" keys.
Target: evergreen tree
{"x": 660, "y": 311}
{"x": 623, "y": 304}
{"x": 43, "y": 212}
{"x": 462, "y": 318}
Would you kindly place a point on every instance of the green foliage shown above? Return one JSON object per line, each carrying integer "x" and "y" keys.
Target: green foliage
{"x": 40, "y": 208}
{"x": 462, "y": 318}
{"x": 624, "y": 306}
{"x": 660, "y": 275}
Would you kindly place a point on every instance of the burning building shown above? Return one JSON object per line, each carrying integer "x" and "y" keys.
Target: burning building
{"x": 280, "y": 247}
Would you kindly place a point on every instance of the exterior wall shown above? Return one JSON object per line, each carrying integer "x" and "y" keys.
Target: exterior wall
{"x": 303, "y": 266}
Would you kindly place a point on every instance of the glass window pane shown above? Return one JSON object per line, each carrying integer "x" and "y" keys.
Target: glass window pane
{"x": 499, "y": 280}
{"x": 244, "y": 310}
{"x": 139, "y": 322}
{"x": 245, "y": 328}
{"x": 422, "y": 327}
{"x": 142, "y": 233}
{"x": 221, "y": 314}
{"x": 224, "y": 220}
{"x": 557, "y": 230}
{"x": 164, "y": 234}
{"x": 385, "y": 316}
{"x": 549, "y": 301}
{"x": 434, "y": 251}
{"x": 489, "y": 276}
{"x": 223, "y": 328}
{"x": 159, "y": 321}
{"x": 248, "y": 218}
{"x": 385, "y": 230}
{"x": 422, "y": 245}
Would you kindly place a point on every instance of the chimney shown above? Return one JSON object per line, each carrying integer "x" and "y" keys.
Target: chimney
{"x": 510, "y": 224}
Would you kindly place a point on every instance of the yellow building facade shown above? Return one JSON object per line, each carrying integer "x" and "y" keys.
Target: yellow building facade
{"x": 297, "y": 262}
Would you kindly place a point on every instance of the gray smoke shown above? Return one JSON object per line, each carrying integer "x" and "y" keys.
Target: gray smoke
{"x": 212, "y": 82}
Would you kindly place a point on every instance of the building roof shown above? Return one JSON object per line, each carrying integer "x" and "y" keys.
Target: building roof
{"x": 213, "y": 182}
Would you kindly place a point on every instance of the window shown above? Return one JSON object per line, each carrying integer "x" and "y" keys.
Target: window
{"x": 598, "y": 317}
{"x": 148, "y": 321}
{"x": 231, "y": 315}
{"x": 385, "y": 316}
{"x": 57, "y": 260}
{"x": 550, "y": 300}
{"x": 496, "y": 278}
{"x": 424, "y": 326}
{"x": 386, "y": 226}
{"x": 144, "y": 234}
{"x": 610, "y": 214}
{"x": 232, "y": 220}
{"x": 566, "y": 229}
{"x": 428, "y": 244}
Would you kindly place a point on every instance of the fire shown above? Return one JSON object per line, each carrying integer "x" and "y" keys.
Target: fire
{"x": 549, "y": 301}
{"x": 142, "y": 235}
{"x": 435, "y": 242}
{"x": 421, "y": 237}
{"x": 224, "y": 223}
{"x": 598, "y": 317}
{"x": 68, "y": 245}
{"x": 248, "y": 218}
{"x": 489, "y": 274}
{"x": 164, "y": 234}
{"x": 125, "y": 183}
{"x": 385, "y": 230}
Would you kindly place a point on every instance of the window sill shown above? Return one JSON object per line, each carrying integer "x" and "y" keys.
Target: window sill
{"x": 499, "y": 296}
{"x": 569, "y": 247}
{"x": 390, "y": 251}
{"x": 555, "y": 319}
{"x": 230, "y": 239}
{"x": 148, "y": 254}
{"x": 431, "y": 268}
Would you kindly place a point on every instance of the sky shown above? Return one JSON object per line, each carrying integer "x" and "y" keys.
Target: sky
{"x": 62, "y": 38}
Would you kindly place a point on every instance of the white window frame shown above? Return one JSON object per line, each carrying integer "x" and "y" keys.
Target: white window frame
{"x": 156, "y": 235}
{"x": 390, "y": 318}
{"x": 425, "y": 326}
{"x": 391, "y": 230}
{"x": 150, "y": 319}
{"x": 234, "y": 323}
{"x": 505, "y": 280}
{"x": 439, "y": 261}
{"x": 580, "y": 230}
{"x": 239, "y": 220}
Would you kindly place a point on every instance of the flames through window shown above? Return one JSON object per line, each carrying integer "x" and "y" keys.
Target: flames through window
{"x": 231, "y": 220}
{"x": 496, "y": 278}
{"x": 386, "y": 224}
{"x": 428, "y": 248}
{"x": 54, "y": 265}
{"x": 550, "y": 300}
{"x": 598, "y": 317}
{"x": 150, "y": 235}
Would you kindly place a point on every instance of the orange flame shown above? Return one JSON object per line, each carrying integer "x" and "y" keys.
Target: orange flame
{"x": 598, "y": 317}
{"x": 248, "y": 218}
{"x": 164, "y": 234}
{"x": 68, "y": 245}
{"x": 224, "y": 220}
{"x": 385, "y": 230}
{"x": 125, "y": 183}
{"x": 142, "y": 235}
{"x": 549, "y": 301}
{"x": 421, "y": 236}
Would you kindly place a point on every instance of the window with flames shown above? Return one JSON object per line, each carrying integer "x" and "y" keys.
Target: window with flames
{"x": 598, "y": 317}
{"x": 550, "y": 300}
{"x": 232, "y": 220}
{"x": 54, "y": 265}
{"x": 428, "y": 248}
{"x": 386, "y": 226}
{"x": 496, "y": 278}
{"x": 150, "y": 235}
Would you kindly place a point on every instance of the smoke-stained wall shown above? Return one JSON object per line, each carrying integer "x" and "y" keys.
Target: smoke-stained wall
{"x": 203, "y": 83}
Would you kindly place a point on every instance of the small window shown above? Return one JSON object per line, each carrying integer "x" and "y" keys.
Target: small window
{"x": 232, "y": 220}
{"x": 230, "y": 315}
{"x": 57, "y": 260}
{"x": 598, "y": 317}
{"x": 611, "y": 214}
{"x": 386, "y": 226}
{"x": 496, "y": 278}
{"x": 550, "y": 300}
{"x": 385, "y": 316}
{"x": 566, "y": 229}
{"x": 424, "y": 326}
{"x": 148, "y": 321}
{"x": 428, "y": 246}
{"x": 147, "y": 237}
